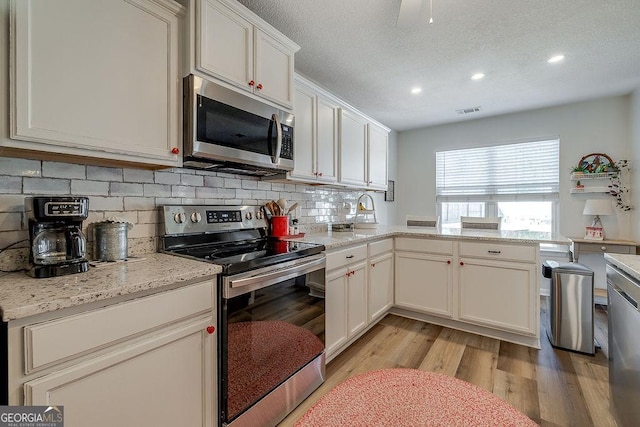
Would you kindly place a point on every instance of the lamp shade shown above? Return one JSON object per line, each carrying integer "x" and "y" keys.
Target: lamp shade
{"x": 597, "y": 207}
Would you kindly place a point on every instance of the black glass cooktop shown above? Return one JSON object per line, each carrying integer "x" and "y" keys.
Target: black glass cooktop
{"x": 238, "y": 257}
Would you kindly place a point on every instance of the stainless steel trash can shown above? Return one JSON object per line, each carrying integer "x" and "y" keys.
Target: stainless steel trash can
{"x": 571, "y": 308}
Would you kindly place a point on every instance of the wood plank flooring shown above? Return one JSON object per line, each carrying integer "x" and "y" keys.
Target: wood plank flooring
{"x": 553, "y": 387}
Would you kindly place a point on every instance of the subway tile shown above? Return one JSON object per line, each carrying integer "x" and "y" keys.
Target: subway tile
{"x": 193, "y": 180}
{"x": 125, "y": 189}
{"x": 276, "y": 186}
{"x": 249, "y": 185}
{"x": 161, "y": 201}
{"x": 213, "y": 181}
{"x": 12, "y": 203}
{"x": 243, "y": 194}
{"x": 168, "y": 178}
{"x": 10, "y": 184}
{"x": 101, "y": 173}
{"x": 63, "y": 170}
{"x": 45, "y": 186}
{"x": 272, "y": 195}
{"x": 138, "y": 175}
{"x": 105, "y": 203}
{"x": 235, "y": 202}
{"x": 20, "y": 167}
{"x": 11, "y": 221}
{"x": 149, "y": 217}
{"x": 139, "y": 203}
{"x": 258, "y": 194}
{"x": 232, "y": 183}
{"x": 262, "y": 185}
{"x": 182, "y": 191}
{"x": 142, "y": 230}
{"x": 14, "y": 236}
{"x": 290, "y": 187}
{"x": 157, "y": 190}
{"x": 123, "y": 216}
{"x": 89, "y": 188}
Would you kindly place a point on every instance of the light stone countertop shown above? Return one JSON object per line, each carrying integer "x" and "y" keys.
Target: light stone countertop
{"x": 23, "y": 296}
{"x": 336, "y": 239}
{"x": 630, "y": 264}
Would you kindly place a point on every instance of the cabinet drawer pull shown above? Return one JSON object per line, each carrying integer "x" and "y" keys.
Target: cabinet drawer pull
{"x": 493, "y": 252}
{"x": 604, "y": 248}
{"x": 448, "y": 261}
{"x": 349, "y": 256}
{"x": 461, "y": 263}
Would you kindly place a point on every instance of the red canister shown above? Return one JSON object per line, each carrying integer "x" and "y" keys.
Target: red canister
{"x": 280, "y": 225}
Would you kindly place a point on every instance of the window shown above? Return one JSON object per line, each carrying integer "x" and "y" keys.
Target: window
{"x": 518, "y": 182}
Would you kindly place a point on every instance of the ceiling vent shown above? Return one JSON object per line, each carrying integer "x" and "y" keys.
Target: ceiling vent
{"x": 468, "y": 110}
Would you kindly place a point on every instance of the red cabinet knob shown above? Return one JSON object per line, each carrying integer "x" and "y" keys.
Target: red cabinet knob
{"x": 373, "y": 265}
{"x": 175, "y": 150}
{"x": 259, "y": 86}
{"x": 448, "y": 261}
{"x": 320, "y": 174}
{"x": 461, "y": 263}
{"x": 211, "y": 329}
{"x": 252, "y": 83}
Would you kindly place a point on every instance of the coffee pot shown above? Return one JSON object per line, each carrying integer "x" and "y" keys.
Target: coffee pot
{"x": 58, "y": 246}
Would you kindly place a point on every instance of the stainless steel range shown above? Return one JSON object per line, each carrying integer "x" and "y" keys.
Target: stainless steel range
{"x": 270, "y": 312}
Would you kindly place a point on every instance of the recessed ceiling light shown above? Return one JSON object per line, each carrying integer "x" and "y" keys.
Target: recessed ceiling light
{"x": 477, "y": 76}
{"x": 556, "y": 58}
{"x": 416, "y": 90}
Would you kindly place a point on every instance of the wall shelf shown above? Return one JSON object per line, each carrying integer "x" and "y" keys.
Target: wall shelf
{"x": 604, "y": 175}
{"x": 576, "y": 190}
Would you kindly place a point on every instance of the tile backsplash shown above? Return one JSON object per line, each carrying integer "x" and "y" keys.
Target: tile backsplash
{"x": 136, "y": 194}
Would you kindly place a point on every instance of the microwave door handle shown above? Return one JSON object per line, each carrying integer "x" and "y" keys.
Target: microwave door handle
{"x": 275, "y": 159}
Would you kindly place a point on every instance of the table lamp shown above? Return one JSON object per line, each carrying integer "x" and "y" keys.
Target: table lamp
{"x": 596, "y": 207}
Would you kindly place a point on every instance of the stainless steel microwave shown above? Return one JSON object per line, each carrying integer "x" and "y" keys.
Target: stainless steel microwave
{"x": 230, "y": 132}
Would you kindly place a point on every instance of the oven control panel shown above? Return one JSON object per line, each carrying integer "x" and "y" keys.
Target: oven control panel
{"x": 188, "y": 219}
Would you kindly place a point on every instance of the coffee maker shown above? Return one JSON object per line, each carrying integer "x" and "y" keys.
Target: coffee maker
{"x": 58, "y": 246}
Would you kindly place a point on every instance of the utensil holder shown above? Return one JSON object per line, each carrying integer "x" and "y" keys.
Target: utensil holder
{"x": 280, "y": 225}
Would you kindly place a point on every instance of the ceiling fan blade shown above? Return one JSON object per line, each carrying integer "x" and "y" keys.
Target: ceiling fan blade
{"x": 411, "y": 12}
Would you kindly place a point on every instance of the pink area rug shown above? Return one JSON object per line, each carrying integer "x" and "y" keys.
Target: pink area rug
{"x": 410, "y": 397}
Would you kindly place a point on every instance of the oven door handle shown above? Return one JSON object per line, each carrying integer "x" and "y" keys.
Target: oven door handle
{"x": 244, "y": 284}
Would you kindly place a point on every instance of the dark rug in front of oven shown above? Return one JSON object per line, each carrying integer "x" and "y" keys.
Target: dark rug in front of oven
{"x": 261, "y": 356}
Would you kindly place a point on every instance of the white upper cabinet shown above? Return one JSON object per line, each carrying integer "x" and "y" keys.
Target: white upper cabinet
{"x": 377, "y": 154}
{"x": 363, "y": 152}
{"x": 353, "y": 148}
{"x": 236, "y": 46}
{"x": 97, "y": 79}
{"x": 316, "y": 136}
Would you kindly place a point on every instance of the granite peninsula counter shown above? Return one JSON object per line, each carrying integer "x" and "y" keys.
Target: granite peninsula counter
{"x": 22, "y": 296}
{"x": 336, "y": 239}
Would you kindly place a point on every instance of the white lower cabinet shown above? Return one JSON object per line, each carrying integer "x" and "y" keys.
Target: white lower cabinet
{"x": 424, "y": 282}
{"x": 149, "y": 361}
{"x": 346, "y": 296}
{"x": 165, "y": 380}
{"x": 346, "y": 305}
{"x": 499, "y": 294}
{"x": 380, "y": 278}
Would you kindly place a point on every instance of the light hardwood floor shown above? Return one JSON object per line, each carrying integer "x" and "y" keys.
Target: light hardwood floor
{"x": 553, "y": 387}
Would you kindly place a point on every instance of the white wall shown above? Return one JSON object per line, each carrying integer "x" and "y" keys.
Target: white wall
{"x": 635, "y": 156}
{"x": 386, "y": 211}
{"x": 597, "y": 126}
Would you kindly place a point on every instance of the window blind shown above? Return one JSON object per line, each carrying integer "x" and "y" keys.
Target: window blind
{"x": 520, "y": 171}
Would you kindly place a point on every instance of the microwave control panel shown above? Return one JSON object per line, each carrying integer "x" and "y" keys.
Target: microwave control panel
{"x": 286, "y": 152}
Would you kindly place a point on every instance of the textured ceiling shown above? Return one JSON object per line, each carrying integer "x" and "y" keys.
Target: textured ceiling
{"x": 354, "y": 49}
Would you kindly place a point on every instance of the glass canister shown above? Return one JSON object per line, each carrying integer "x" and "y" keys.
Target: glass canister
{"x": 111, "y": 240}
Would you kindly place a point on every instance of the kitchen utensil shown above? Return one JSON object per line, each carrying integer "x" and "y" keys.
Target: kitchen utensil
{"x": 283, "y": 205}
{"x": 292, "y": 208}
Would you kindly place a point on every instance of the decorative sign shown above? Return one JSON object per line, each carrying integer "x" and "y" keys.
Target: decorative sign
{"x": 389, "y": 195}
{"x": 594, "y": 233}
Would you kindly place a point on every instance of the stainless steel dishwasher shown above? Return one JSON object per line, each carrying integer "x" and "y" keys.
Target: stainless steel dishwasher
{"x": 624, "y": 346}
